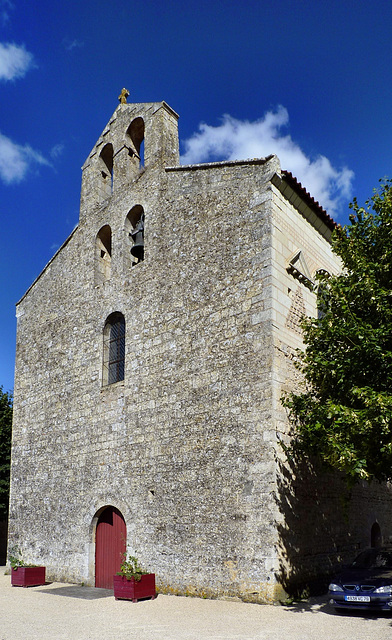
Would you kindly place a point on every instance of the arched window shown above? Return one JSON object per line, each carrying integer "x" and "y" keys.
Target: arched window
{"x": 106, "y": 166}
{"x": 103, "y": 254}
{"x": 114, "y": 349}
{"x": 136, "y": 132}
{"x": 134, "y": 229}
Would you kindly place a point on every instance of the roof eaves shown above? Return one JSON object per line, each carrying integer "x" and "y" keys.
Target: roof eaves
{"x": 305, "y": 196}
{"x": 224, "y": 163}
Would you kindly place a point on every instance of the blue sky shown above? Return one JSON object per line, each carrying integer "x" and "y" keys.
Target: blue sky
{"x": 310, "y": 81}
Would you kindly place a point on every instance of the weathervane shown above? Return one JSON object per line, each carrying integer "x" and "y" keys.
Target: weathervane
{"x": 123, "y": 96}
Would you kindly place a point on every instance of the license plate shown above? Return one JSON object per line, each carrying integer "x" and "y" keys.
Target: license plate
{"x": 357, "y": 598}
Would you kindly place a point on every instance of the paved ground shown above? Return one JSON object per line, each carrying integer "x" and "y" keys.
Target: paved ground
{"x": 70, "y": 612}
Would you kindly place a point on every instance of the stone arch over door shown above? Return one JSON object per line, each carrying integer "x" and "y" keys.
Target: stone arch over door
{"x": 110, "y": 545}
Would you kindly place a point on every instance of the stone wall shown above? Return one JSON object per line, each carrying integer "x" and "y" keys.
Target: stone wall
{"x": 185, "y": 446}
{"x": 322, "y": 522}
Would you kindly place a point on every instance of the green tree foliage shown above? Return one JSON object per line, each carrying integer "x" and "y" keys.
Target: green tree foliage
{"x": 5, "y": 450}
{"x": 344, "y": 416}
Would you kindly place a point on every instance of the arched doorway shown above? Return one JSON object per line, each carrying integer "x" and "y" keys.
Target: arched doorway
{"x": 375, "y": 535}
{"x": 110, "y": 545}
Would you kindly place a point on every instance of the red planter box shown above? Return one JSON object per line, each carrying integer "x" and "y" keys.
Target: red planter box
{"x": 134, "y": 590}
{"x": 27, "y": 576}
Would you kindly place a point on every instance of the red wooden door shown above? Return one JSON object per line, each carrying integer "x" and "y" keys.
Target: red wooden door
{"x": 110, "y": 544}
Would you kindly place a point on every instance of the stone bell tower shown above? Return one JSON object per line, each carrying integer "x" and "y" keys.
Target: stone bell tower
{"x": 138, "y": 137}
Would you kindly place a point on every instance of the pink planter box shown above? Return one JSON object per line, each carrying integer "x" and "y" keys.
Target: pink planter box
{"x": 27, "y": 576}
{"x": 134, "y": 590}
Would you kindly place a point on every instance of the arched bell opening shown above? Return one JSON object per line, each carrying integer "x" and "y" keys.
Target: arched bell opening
{"x": 106, "y": 169}
{"x": 135, "y": 132}
{"x": 134, "y": 229}
{"x": 103, "y": 254}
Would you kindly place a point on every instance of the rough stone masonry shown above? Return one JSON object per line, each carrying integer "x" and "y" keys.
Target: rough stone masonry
{"x": 149, "y": 372}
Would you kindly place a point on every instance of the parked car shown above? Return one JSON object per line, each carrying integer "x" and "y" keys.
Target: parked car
{"x": 366, "y": 583}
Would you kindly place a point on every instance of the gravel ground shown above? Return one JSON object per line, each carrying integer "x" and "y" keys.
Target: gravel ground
{"x": 70, "y": 612}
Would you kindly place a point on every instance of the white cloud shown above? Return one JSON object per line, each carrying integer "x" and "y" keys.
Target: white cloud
{"x": 240, "y": 139}
{"x": 57, "y": 151}
{"x": 72, "y": 44}
{"x": 16, "y": 161}
{"x": 15, "y": 61}
{"x": 5, "y": 7}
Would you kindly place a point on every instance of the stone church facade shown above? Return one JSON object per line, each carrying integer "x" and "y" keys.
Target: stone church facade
{"x": 152, "y": 352}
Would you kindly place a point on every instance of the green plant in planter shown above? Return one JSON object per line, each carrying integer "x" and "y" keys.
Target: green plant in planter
{"x": 130, "y": 568}
{"x": 22, "y": 573}
{"x": 15, "y": 559}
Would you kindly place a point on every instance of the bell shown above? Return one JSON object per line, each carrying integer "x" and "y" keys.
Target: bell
{"x": 137, "y": 235}
{"x": 137, "y": 250}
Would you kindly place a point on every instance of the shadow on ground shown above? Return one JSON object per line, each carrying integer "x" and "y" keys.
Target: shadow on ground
{"x": 77, "y": 591}
{"x": 320, "y": 605}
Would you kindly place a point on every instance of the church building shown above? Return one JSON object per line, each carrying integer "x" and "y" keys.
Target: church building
{"x": 152, "y": 353}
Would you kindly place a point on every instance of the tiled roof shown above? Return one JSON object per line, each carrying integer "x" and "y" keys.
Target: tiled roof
{"x": 297, "y": 187}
